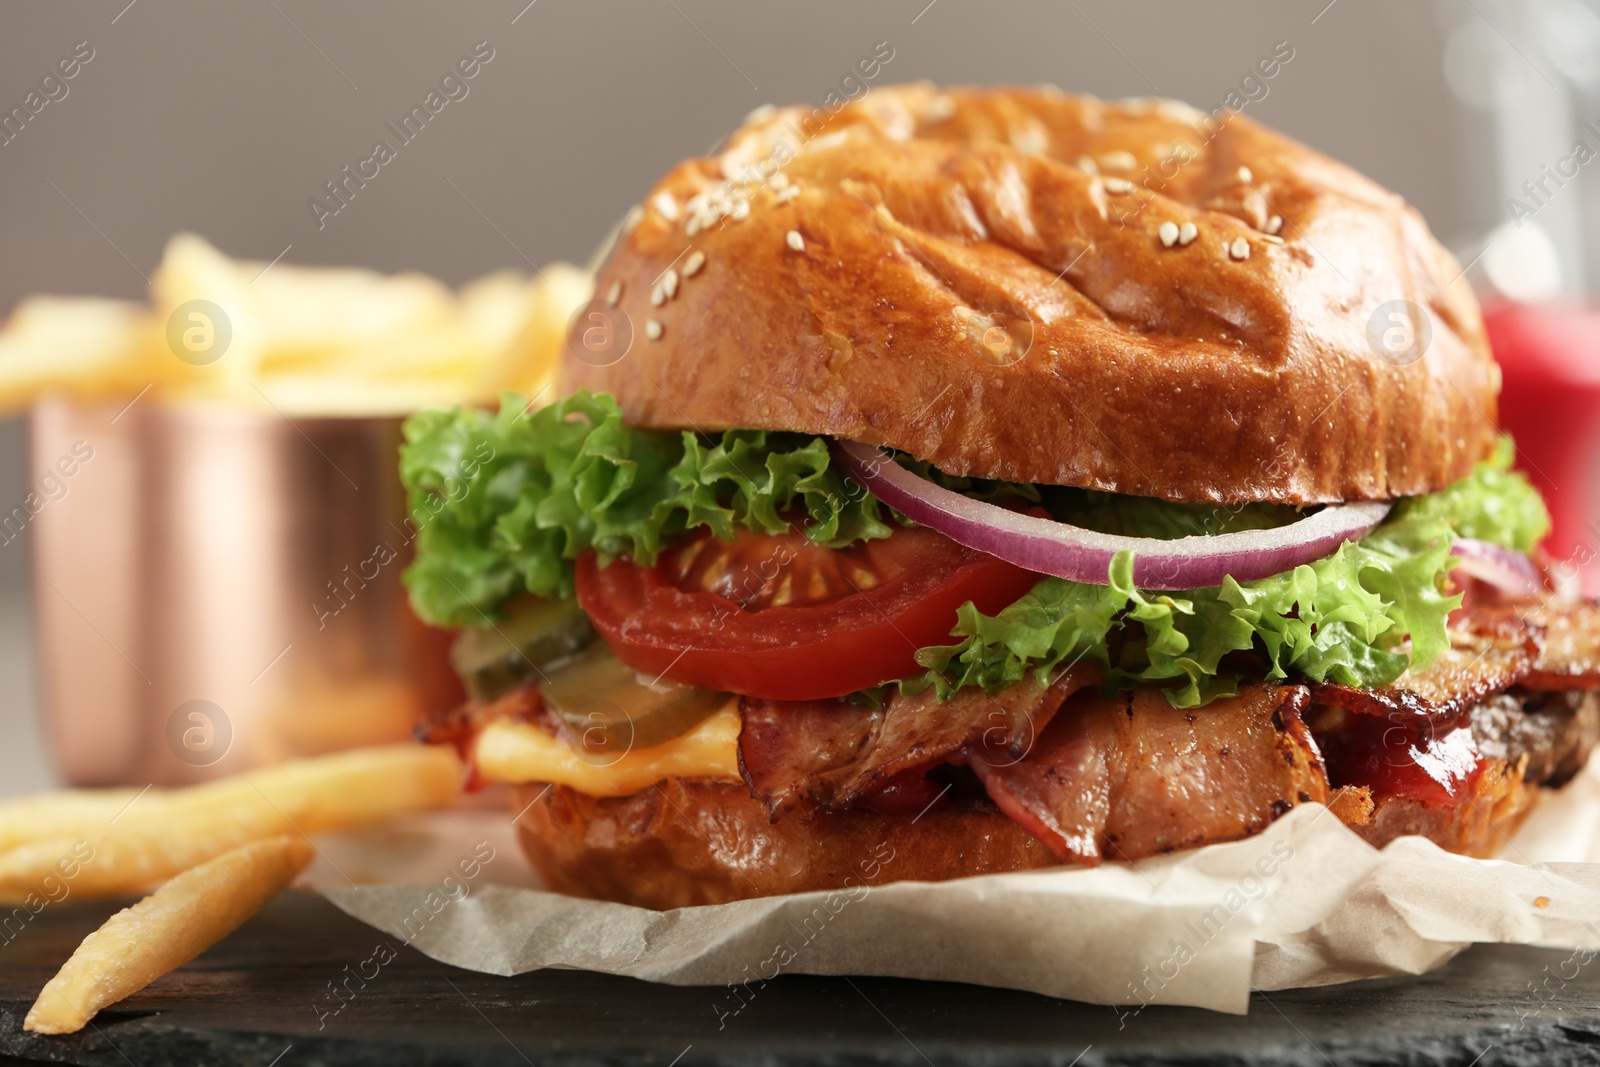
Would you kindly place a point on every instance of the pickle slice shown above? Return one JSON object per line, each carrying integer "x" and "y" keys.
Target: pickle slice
{"x": 495, "y": 660}
{"x": 608, "y": 710}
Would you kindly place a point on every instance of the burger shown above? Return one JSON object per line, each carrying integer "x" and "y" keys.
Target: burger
{"x": 987, "y": 480}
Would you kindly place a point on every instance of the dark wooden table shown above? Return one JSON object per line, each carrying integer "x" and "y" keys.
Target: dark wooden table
{"x": 260, "y": 997}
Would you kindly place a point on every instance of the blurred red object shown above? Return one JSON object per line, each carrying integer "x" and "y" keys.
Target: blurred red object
{"x": 1551, "y": 404}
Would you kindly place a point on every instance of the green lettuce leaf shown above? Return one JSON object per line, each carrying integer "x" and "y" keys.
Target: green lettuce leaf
{"x": 1496, "y": 504}
{"x": 501, "y": 504}
{"x": 1360, "y": 617}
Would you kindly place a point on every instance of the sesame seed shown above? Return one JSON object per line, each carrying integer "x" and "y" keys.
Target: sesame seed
{"x": 666, "y": 206}
{"x": 669, "y": 283}
{"x": 1032, "y": 140}
{"x": 706, "y": 209}
{"x": 1177, "y": 111}
{"x": 692, "y": 265}
{"x": 1245, "y": 175}
{"x": 1187, "y": 233}
{"x": 787, "y": 194}
{"x": 939, "y": 108}
{"x": 631, "y": 220}
{"x": 653, "y": 329}
{"x": 795, "y": 241}
{"x": 826, "y": 141}
{"x": 1240, "y": 249}
{"x": 740, "y": 210}
{"x": 1118, "y": 160}
{"x": 1088, "y": 165}
{"x": 1272, "y": 239}
{"x": 1117, "y": 185}
{"x": 780, "y": 180}
{"x": 761, "y": 114}
{"x": 1168, "y": 232}
{"x": 1275, "y": 225}
{"x": 614, "y": 293}
{"x": 658, "y": 295}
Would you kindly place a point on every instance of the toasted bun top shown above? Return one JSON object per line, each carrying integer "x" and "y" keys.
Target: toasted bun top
{"x": 1026, "y": 285}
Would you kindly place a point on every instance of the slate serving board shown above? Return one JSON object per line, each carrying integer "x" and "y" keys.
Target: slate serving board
{"x": 262, "y": 998}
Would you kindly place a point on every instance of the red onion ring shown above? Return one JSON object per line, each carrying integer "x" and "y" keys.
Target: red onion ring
{"x": 1055, "y": 548}
{"x": 1504, "y": 568}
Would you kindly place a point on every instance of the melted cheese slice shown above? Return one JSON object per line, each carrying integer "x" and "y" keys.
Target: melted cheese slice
{"x": 519, "y": 752}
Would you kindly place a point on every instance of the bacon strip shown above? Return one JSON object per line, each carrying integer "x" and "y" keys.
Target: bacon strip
{"x": 831, "y": 752}
{"x": 1571, "y": 657}
{"x": 1544, "y": 646}
{"x": 1131, "y": 776}
{"x": 459, "y": 725}
{"x": 1490, "y": 651}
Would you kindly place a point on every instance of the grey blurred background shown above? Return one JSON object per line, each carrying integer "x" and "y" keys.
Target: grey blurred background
{"x": 225, "y": 119}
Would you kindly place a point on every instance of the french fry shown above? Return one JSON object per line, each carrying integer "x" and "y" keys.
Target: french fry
{"x": 348, "y": 790}
{"x": 529, "y": 363}
{"x": 88, "y": 346}
{"x": 136, "y": 855}
{"x": 366, "y": 785}
{"x": 163, "y": 833}
{"x": 138, "y": 852}
{"x": 192, "y": 269}
{"x": 65, "y": 814}
{"x": 165, "y": 930}
{"x": 312, "y": 340}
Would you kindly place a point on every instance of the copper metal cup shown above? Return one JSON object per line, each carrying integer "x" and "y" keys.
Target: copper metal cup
{"x": 217, "y": 589}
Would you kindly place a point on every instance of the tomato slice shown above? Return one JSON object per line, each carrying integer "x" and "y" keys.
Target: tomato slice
{"x": 779, "y": 617}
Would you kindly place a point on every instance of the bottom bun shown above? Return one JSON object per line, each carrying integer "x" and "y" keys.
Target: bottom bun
{"x": 688, "y": 841}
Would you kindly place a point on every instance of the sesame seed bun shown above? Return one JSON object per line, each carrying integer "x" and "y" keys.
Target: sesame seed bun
{"x": 1022, "y": 284}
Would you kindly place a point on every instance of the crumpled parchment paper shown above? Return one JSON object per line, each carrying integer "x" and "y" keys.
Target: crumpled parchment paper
{"x": 1305, "y": 903}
